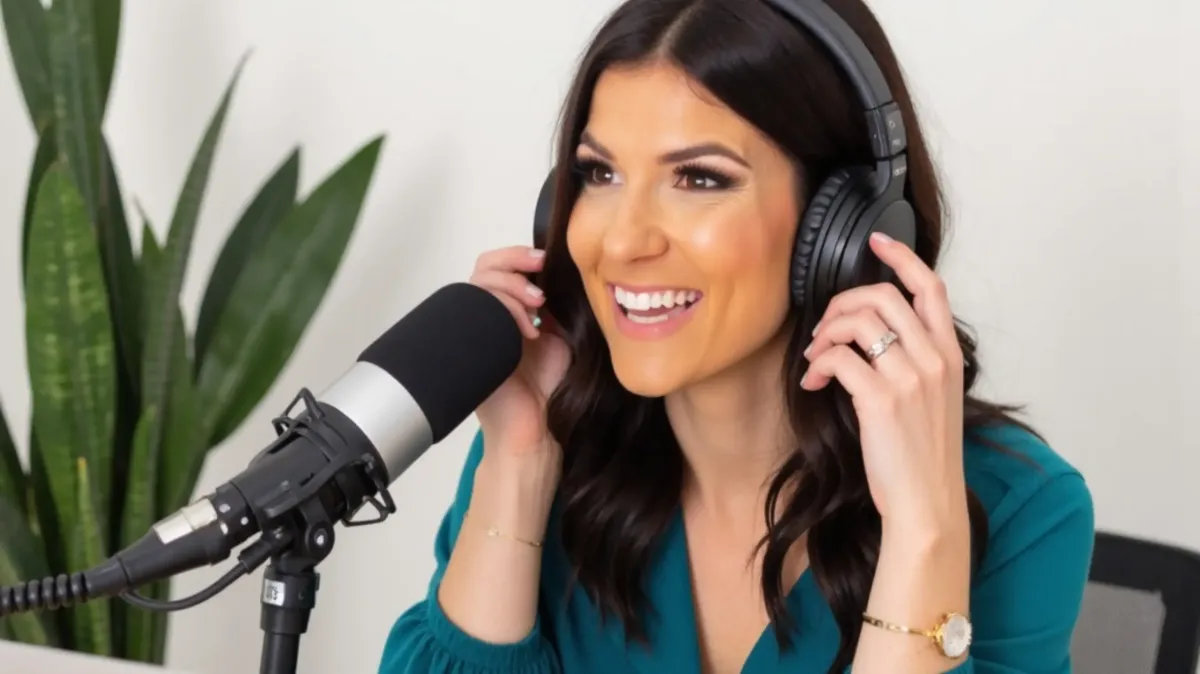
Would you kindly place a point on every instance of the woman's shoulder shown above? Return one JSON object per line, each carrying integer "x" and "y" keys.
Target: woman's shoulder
{"x": 1026, "y": 487}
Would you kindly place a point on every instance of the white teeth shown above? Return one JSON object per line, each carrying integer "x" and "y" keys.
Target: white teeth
{"x": 656, "y": 300}
{"x": 648, "y": 320}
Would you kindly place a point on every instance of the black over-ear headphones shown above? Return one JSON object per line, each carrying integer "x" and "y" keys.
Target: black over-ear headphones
{"x": 831, "y": 253}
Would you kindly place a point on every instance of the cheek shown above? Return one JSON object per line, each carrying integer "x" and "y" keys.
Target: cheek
{"x": 584, "y": 239}
{"x": 585, "y": 245}
{"x": 747, "y": 258}
{"x": 747, "y": 262}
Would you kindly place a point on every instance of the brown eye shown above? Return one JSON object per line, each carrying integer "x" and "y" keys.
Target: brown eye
{"x": 599, "y": 175}
{"x": 701, "y": 179}
{"x": 594, "y": 172}
{"x": 697, "y": 182}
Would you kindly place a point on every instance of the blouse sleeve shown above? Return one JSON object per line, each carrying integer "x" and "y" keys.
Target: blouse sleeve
{"x": 424, "y": 640}
{"x": 1027, "y": 599}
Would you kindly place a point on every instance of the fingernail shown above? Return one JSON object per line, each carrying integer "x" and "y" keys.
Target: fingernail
{"x": 881, "y": 237}
{"x": 533, "y": 290}
{"x": 536, "y": 252}
{"x": 537, "y": 321}
{"x": 816, "y": 329}
{"x": 808, "y": 350}
{"x": 804, "y": 380}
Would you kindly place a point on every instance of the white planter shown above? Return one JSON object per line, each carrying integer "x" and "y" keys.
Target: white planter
{"x": 15, "y": 657}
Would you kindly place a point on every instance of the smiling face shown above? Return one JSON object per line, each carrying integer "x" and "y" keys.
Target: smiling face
{"x": 683, "y": 230}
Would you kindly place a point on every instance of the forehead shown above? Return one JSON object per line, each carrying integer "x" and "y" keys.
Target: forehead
{"x": 657, "y": 107}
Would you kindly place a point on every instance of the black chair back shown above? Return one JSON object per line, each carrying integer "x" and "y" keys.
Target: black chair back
{"x": 1141, "y": 610}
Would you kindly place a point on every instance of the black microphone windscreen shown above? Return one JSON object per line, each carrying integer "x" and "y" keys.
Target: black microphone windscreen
{"x": 450, "y": 352}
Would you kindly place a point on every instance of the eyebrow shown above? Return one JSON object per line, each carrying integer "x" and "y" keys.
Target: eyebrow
{"x": 673, "y": 157}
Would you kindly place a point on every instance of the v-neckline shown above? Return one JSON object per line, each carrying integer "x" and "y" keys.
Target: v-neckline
{"x": 669, "y": 584}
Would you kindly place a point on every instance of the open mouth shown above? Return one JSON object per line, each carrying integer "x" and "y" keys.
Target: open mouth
{"x": 654, "y": 306}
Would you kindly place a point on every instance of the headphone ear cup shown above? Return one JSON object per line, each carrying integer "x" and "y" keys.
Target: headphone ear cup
{"x": 813, "y": 232}
{"x": 857, "y": 265}
{"x": 543, "y": 210}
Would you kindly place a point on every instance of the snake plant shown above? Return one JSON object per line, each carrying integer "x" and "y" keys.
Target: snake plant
{"x": 126, "y": 401}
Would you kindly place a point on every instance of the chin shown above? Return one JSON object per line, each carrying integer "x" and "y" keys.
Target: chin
{"x": 644, "y": 379}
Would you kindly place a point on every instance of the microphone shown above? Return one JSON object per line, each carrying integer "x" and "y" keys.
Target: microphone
{"x": 406, "y": 392}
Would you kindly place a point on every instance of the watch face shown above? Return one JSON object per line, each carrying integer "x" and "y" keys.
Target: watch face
{"x": 956, "y": 635}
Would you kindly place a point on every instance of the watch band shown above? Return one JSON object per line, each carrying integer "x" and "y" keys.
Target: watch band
{"x": 952, "y": 634}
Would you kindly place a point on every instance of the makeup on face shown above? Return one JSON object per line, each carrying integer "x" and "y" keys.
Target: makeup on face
{"x": 682, "y": 230}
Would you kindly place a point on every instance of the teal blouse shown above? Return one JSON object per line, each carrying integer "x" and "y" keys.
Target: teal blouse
{"x": 1025, "y": 597}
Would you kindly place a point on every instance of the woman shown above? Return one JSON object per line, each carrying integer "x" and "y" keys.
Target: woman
{"x": 686, "y": 475}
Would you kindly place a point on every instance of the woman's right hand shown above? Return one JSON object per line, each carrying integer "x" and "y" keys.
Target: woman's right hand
{"x": 513, "y": 418}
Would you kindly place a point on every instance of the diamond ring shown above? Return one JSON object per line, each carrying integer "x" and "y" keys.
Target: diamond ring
{"x": 879, "y": 348}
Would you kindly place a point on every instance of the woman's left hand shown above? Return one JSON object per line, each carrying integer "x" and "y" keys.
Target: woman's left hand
{"x": 908, "y": 399}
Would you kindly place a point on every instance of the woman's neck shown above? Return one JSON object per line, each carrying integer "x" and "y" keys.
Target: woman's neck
{"x": 734, "y": 432}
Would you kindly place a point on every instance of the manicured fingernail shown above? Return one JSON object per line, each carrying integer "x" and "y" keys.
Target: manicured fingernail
{"x": 536, "y": 252}
{"x": 808, "y": 350}
{"x": 533, "y": 290}
{"x": 881, "y": 237}
{"x": 816, "y": 329}
{"x": 804, "y": 380}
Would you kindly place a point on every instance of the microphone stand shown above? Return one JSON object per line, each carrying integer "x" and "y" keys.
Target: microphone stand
{"x": 303, "y": 539}
{"x": 289, "y": 594}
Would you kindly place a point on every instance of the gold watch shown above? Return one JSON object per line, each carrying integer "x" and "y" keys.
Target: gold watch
{"x": 952, "y": 634}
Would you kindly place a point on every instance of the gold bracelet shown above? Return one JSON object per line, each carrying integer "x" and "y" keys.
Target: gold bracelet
{"x": 495, "y": 532}
{"x": 952, "y": 635}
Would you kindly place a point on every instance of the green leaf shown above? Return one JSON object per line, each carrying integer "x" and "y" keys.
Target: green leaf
{"x": 107, "y": 21}
{"x": 43, "y": 522}
{"x": 145, "y": 631}
{"x": 182, "y": 438}
{"x": 78, "y": 112}
{"x": 162, "y": 293}
{"x": 47, "y": 152}
{"x": 93, "y": 620}
{"x": 138, "y": 517}
{"x": 25, "y": 28}
{"x": 273, "y": 202}
{"x": 79, "y": 94}
{"x": 43, "y": 513}
{"x": 21, "y": 560}
{"x": 70, "y": 351}
{"x": 13, "y": 483}
{"x": 121, "y": 274}
{"x": 276, "y": 296}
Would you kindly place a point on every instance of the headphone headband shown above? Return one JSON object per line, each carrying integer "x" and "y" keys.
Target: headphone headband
{"x": 884, "y": 121}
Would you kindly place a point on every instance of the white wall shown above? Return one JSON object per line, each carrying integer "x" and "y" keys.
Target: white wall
{"x": 1189, "y": 220}
{"x": 1067, "y": 173}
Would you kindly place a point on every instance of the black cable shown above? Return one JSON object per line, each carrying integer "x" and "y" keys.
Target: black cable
{"x": 62, "y": 591}
{"x": 52, "y": 592}
{"x": 249, "y": 559}
{"x": 200, "y": 597}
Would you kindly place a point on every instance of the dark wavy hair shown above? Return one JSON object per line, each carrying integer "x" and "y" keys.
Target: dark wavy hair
{"x": 622, "y": 466}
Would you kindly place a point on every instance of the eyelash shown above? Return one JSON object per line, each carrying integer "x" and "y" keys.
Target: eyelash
{"x": 584, "y": 168}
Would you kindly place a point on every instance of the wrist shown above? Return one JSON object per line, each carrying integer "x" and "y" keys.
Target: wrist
{"x": 514, "y": 493}
{"x": 913, "y": 548}
{"x": 936, "y": 525}
{"x": 924, "y": 536}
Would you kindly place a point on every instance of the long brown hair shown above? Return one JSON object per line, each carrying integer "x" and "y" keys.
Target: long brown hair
{"x": 623, "y": 469}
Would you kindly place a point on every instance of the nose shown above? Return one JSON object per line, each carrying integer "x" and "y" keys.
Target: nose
{"x": 635, "y": 232}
